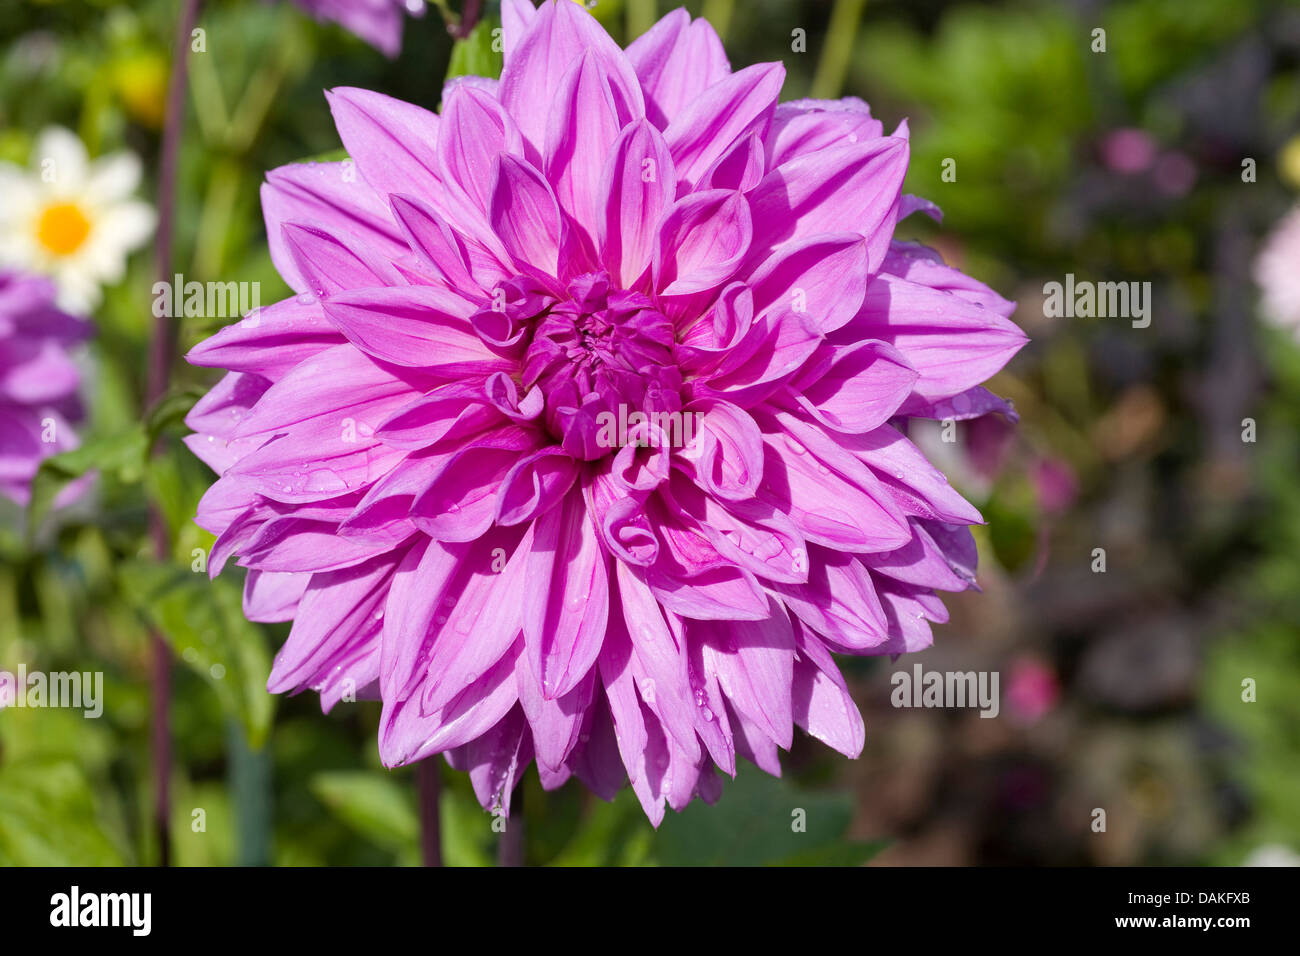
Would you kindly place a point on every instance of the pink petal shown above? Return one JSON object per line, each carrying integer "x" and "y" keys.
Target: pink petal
{"x": 953, "y": 343}
{"x": 838, "y": 600}
{"x": 729, "y": 109}
{"x": 676, "y": 60}
{"x": 639, "y": 184}
{"x": 531, "y": 77}
{"x": 555, "y": 720}
{"x": 822, "y": 704}
{"x": 580, "y": 134}
{"x": 474, "y": 130}
{"x": 330, "y": 195}
{"x": 822, "y": 277}
{"x": 535, "y": 485}
{"x": 391, "y": 142}
{"x": 566, "y": 598}
{"x": 847, "y": 189}
{"x": 526, "y": 217}
{"x": 702, "y": 241}
{"x": 416, "y": 326}
{"x": 329, "y": 264}
{"x": 482, "y": 621}
{"x": 269, "y": 342}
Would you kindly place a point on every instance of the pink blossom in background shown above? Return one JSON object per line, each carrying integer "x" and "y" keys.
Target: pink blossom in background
{"x": 1055, "y": 485}
{"x": 378, "y": 22}
{"x": 1033, "y": 689}
{"x": 1128, "y": 150}
{"x": 1175, "y": 174}
{"x": 38, "y": 380}
{"x": 414, "y": 459}
{"x": 1277, "y": 271}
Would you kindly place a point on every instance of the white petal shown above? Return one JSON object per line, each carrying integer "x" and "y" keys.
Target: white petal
{"x": 17, "y": 193}
{"x": 78, "y": 292}
{"x": 126, "y": 225}
{"x": 113, "y": 177}
{"x": 61, "y": 155}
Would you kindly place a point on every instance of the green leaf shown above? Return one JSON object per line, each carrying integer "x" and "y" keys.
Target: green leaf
{"x": 611, "y": 834}
{"x": 170, "y": 410}
{"x": 376, "y": 805}
{"x": 204, "y": 622}
{"x": 121, "y": 455}
{"x": 329, "y": 156}
{"x": 762, "y": 821}
{"x": 49, "y": 817}
{"x": 475, "y": 55}
{"x": 466, "y": 828}
{"x": 844, "y": 853}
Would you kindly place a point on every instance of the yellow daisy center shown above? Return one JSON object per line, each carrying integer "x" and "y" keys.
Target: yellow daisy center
{"x": 62, "y": 228}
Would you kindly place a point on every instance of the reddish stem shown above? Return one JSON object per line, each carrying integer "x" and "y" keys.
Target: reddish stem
{"x": 428, "y": 784}
{"x": 160, "y": 359}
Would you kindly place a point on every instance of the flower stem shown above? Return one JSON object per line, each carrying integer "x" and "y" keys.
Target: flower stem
{"x": 640, "y": 17}
{"x": 718, "y": 13}
{"x": 249, "y": 773}
{"x": 510, "y": 849}
{"x": 160, "y": 359}
{"x": 469, "y": 18}
{"x": 428, "y": 784}
{"x": 837, "y": 51}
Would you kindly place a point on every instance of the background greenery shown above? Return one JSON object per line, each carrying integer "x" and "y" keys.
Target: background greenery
{"x": 1130, "y": 681}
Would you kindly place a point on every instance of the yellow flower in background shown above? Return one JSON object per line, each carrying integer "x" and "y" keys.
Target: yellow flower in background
{"x": 140, "y": 81}
{"x": 72, "y": 218}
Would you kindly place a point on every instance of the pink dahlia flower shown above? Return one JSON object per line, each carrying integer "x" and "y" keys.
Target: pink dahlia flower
{"x": 583, "y": 439}
{"x": 378, "y": 22}
{"x": 38, "y": 379}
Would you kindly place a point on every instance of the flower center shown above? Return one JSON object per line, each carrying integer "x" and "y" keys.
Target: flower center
{"x": 62, "y": 228}
{"x": 600, "y": 357}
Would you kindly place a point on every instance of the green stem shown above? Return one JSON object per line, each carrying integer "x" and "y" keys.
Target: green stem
{"x": 250, "y": 783}
{"x": 640, "y": 17}
{"x": 718, "y": 12}
{"x": 837, "y": 51}
{"x": 214, "y": 221}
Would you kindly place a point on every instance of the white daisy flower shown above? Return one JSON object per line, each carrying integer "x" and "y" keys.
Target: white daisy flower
{"x": 72, "y": 218}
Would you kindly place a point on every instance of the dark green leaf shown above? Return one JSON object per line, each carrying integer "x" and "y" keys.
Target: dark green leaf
{"x": 121, "y": 455}
{"x": 204, "y": 622}
{"x": 761, "y": 821}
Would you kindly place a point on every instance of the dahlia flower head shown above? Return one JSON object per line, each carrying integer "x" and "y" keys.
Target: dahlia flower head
{"x": 378, "y": 22}
{"x": 38, "y": 380}
{"x": 583, "y": 441}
